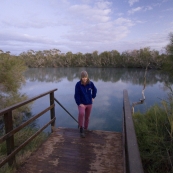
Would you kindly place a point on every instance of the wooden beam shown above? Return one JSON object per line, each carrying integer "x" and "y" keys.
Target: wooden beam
{"x": 133, "y": 159}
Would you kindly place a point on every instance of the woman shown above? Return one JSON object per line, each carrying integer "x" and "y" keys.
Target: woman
{"x": 85, "y": 92}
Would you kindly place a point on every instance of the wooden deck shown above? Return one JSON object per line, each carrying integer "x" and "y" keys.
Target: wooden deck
{"x": 66, "y": 152}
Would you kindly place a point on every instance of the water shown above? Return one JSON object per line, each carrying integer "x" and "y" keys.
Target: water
{"x": 107, "y": 108}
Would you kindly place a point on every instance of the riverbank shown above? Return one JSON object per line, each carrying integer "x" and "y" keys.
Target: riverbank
{"x": 154, "y": 130}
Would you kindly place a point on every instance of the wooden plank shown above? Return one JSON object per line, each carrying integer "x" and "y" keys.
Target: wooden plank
{"x": 133, "y": 159}
{"x": 65, "y": 151}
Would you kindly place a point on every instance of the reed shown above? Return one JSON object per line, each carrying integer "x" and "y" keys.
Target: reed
{"x": 154, "y": 130}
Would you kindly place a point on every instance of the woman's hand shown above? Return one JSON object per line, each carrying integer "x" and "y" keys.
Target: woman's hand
{"x": 92, "y": 100}
{"x": 82, "y": 105}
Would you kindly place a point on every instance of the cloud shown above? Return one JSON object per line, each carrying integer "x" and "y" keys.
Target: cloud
{"x": 131, "y": 2}
{"x": 124, "y": 21}
{"x": 17, "y": 37}
{"x": 80, "y": 25}
{"x": 168, "y": 9}
{"x": 110, "y": 31}
{"x": 147, "y": 8}
{"x": 19, "y": 42}
{"x": 33, "y": 23}
{"x": 103, "y": 4}
{"x": 155, "y": 41}
{"x": 94, "y": 24}
{"x": 134, "y": 10}
{"x": 92, "y": 14}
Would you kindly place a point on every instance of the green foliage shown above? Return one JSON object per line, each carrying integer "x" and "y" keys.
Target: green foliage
{"x": 136, "y": 58}
{"x": 169, "y": 47}
{"x": 11, "y": 78}
{"x": 154, "y": 131}
{"x": 11, "y": 99}
{"x": 168, "y": 63}
{"x": 20, "y": 137}
{"x": 11, "y": 72}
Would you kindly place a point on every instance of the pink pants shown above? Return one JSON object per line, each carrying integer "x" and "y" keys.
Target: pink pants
{"x": 84, "y": 115}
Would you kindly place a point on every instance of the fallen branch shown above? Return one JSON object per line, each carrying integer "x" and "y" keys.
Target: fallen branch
{"x": 141, "y": 101}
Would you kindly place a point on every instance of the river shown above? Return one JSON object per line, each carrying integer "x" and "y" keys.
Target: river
{"x": 107, "y": 107}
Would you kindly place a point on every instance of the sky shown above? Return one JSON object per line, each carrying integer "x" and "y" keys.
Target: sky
{"x": 84, "y": 25}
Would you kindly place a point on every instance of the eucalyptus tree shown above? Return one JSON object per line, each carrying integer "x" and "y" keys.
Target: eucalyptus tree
{"x": 64, "y": 61}
{"x": 55, "y": 51}
{"x": 96, "y": 59}
{"x": 47, "y": 58}
{"x": 168, "y": 64}
{"x": 125, "y": 58}
{"x": 78, "y": 60}
{"x": 156, "y": 60}
{"x": 69, "y": 57}
{"x": 39, "y": 59}
{"x": 60, "y": 60}
{"x": 114, "y": 58}
{"x": 89, "y": 61}
{"x": 144, "y": 56}
{"x": 28, "y": 57}
{"x": 11, "y": 79}
{"x": 134, "y": 58}
{"x": 150, "y": 57}
{"x": 169, "y": 47}
{"x": 11, "y": 72}
{"x": 105, "y": 58}
{"x": 141, "y": 58}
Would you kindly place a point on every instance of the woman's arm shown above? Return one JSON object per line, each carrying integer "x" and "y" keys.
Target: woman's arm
{"x": 94, "y": 91}
{"x": 77, "y": 95}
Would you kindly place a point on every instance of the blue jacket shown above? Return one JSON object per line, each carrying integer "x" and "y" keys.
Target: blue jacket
{"x": 85, "y": 93}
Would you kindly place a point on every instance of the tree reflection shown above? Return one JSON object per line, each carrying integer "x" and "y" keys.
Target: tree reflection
{"x": 134, "y": 76}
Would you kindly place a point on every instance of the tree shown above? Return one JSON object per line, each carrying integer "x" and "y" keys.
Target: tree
{"x": 69, "y": 56}
{"x": 11, "y": 79}
{"x": 11, "y": 72}
{"x": 169, "y": 47}
{"x": 168, "y": 64}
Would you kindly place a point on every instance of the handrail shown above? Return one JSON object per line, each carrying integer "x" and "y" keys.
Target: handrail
{"x": 6, "y": 136}
{"x": 9, "y": 136}
{"x": 5, "y": 110}
{"x": 133, "y": 162}
{"x": 65, "y": 109}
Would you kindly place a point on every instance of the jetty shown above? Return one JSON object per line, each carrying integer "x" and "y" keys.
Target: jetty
{"x": 66, "y": 152}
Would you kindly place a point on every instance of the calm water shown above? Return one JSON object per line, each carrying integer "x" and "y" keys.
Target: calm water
{"x": 107, "y": 108}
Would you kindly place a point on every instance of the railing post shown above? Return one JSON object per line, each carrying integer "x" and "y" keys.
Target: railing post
{"x": 52, "y": 111}
{"x": 8, "y": 121}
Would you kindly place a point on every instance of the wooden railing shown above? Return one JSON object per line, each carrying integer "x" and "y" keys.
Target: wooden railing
{"x": 132, "y": 157}
{"x": 9, "y": 131}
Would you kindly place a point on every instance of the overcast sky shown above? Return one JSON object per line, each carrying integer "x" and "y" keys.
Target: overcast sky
{"x": 84, "y": 25}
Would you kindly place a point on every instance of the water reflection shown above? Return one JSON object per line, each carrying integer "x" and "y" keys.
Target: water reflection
{"x": 110, "y": 82}
{"x": 134, "y": 76}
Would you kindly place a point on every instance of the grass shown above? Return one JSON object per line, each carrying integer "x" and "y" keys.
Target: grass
{"x": 154, "y": 131}
{"x": 19, "y": 138}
